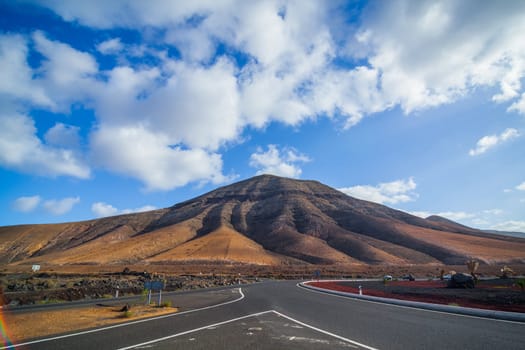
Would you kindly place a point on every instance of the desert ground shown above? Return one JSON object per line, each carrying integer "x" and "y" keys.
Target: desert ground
{"x": 58, "y": 284}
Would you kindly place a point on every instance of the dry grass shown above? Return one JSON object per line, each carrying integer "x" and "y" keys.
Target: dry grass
{"x": 24, "y": 326}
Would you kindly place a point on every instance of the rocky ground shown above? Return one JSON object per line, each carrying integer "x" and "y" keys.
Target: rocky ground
{"x": 24, "y": 289}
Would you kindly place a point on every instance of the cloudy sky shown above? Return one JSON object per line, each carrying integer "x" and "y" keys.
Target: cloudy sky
{"x": 110, "y": 107}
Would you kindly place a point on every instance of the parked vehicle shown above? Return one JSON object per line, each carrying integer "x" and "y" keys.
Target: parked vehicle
{"x": 408, "y": 277}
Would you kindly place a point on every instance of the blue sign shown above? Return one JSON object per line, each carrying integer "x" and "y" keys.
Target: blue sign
{"x": 154, "y": 285}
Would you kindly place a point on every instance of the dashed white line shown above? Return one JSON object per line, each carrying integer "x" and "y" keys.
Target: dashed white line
{"x": 14, "y": 346}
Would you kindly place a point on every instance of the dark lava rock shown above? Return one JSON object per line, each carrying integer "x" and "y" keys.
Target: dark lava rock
{"x": 461, "y": 280}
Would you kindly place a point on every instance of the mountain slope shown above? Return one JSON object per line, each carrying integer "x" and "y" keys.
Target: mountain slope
{"x": 263, "y": 220}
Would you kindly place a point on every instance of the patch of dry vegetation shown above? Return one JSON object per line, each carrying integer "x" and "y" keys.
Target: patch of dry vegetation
{"x": 28, "y": 325}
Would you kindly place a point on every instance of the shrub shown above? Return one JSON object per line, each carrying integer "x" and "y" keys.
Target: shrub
{"x": 521, "y": 284}
{"x": 166, "y": 304}
{"x": 126, "y": 314}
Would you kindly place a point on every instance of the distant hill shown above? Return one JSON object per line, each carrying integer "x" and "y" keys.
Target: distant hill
{"x": 265, "y": 220}
{"x": 506, "y": 233}
{"x": 454, "y": 225}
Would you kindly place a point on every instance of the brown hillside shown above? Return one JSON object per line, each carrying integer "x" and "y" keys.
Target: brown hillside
{"x": 263, "y": 220}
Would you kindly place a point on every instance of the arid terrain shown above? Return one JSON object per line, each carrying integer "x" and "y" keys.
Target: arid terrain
{"x": 263, "y": 221}
{"x": 24, "y": 326}
{"x": 263, "y": 227}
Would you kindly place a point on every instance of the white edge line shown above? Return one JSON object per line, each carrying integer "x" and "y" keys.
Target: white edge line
{"x": 403, "y": 306}
{"x": 194, "y": 330}
{"x": 123, "y": 324}
{"x": 326, "y": 332}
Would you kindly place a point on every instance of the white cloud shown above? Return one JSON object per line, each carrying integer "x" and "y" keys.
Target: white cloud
{"x": 111, "y": 46}
{"x": 485, "y": 219}
{"x": 26, "y": 204}
{"x": 21, "y": 149}
{"x": 493, "y": 211}
{"x": 491, "y": 141}
{"x": 511, "y": 226}
{"x": 60, "y": 206}
{"x": 139, "y": 209}
{"x": 62, "y": 135}
{"x": 441, "y": 51}
{"x": 197, "y": 106}
{"x": 521, "y": 186}
{"x": 451, "y": 215}
{"x": 282, "y": 162}
{"x": 16, "y": 75}
{"x": 67, "y": 75}
{"x": 438, "y": 52}
{"x": 101, "y": 209}
{"x": 64, "y": 65}
{"x": 519, "y": 105}
{"x": 390, "y": 192}
{"x": 151, "y": 157}
{"x": 190, "y": 107}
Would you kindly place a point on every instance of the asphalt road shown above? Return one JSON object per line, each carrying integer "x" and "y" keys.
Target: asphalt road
{"x": 280, "y": 315}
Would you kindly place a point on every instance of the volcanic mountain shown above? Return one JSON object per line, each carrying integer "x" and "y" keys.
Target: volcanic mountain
{"x": 266, "y": 220}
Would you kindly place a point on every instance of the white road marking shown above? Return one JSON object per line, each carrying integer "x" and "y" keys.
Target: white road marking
{"x": 193, "y": 330}
{"x": 325, "y": 332}
{"x": 213, "y": 326}
{"x": 415, "y": 308}
{"x": 124, "y": 324}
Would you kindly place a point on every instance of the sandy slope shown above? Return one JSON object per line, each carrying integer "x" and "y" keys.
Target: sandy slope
{"x": 224, "y": 244}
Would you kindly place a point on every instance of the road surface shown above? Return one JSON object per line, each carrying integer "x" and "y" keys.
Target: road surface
{"x": 281, "y": 315}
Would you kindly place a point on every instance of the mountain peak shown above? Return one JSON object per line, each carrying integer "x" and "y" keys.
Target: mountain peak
{"x": 281, "y": 220}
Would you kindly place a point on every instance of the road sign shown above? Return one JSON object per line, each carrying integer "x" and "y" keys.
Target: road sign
{"x": 154, "y": 285}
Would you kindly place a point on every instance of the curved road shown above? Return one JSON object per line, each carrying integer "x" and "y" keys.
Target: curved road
{"x": 281, "y": 315}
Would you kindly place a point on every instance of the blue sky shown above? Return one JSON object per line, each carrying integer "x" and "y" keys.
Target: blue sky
{"x": 110, "y": 107}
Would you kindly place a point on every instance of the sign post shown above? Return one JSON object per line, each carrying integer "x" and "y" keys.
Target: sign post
{"x": 154, "y": 285}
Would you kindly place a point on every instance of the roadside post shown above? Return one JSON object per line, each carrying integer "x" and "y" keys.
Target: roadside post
{"x": 116, "y": 291}
{"x": 360, "y": 290}
{"x": 147, "y": 286}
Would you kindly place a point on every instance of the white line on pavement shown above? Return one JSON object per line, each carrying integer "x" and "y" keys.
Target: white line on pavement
{"x": 14, "y": 346}
{"x": 194, "y": 330}
{"x": 325, "y": 332}
{"x": 153, "y": 341}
